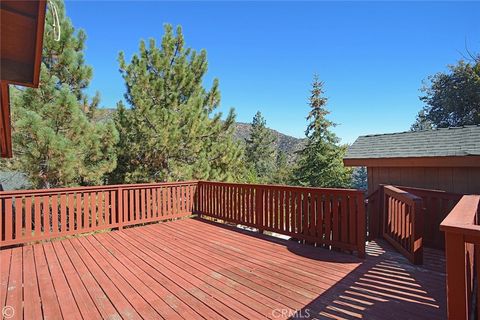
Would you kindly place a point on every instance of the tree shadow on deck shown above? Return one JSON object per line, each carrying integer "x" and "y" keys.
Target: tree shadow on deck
{"x": 307, "y": 251}
{"x": 385, "y": 286}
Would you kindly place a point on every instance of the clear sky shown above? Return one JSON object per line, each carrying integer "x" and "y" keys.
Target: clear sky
{"x": 372, "y": 56}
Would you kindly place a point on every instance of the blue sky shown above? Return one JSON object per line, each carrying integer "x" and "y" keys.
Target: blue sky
{"x": 372, "y": 56}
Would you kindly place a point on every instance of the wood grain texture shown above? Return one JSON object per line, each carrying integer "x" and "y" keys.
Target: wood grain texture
{"x": 197, "y": 269}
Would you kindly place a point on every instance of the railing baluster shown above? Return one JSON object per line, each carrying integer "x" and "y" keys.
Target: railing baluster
{"x": 55, "y": 229}
{"x": 28, "y": 216}
{"x": 38, "y": 225}
{"x": 46, "y": 215}
{"x": 18, "y": 217}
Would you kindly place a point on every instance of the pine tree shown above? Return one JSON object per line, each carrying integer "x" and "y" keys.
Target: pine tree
{"x": 260, "y": 151}
{"x": 421, "y": 123}
{"x": 283, "y": 172}
{"x": 170, "y": 132}
{"x": 320, "y": 163}
{"x": 56, "y": 142}
{"x": 359, "y": 178}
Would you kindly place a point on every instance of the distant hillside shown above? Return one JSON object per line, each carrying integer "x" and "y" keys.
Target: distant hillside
{"x": 284, "y": 142}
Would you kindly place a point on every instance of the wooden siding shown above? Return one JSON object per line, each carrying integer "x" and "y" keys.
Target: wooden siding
{"x": 192, "y": 269}
{"x": 457, "y": 180}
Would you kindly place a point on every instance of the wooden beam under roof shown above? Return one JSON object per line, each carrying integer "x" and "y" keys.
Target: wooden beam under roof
{"x": 22, "y": 25}
{"x": 21, "y": 42}
{"x": 5, "y": 127}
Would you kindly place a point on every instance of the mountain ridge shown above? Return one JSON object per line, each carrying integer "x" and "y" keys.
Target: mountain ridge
{"x": 283, "y": 142}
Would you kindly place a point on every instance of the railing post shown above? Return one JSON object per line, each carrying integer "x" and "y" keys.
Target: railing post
{"x": 196, "y": 198}
{"x": 120, "y": 208}
{"x": 456, "y": 281}
{"x": 361, "y": 231}
{"x": 259, "y": 208}
{"x": 417, "y": 243}
{"x": 381, "y": 211}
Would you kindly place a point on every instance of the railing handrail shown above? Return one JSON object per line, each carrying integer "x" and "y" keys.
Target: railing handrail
{"x": 462, "y": 219}
{"x": 403, "y": 195}
{"x": 106, "y": 187}
{"x": 140, "y": 185}
{"x": 421, "y": 192}
{"x": 281, "y": 186}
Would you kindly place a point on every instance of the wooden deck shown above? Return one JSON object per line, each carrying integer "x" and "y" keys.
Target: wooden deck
{"x": 197, "y": 269}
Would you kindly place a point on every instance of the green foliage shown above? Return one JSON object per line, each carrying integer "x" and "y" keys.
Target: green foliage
{"x": 55, "y": 141}
{"x": 421, "y": 123}
{"x": 170, "y": 132}
{"x": 453, "y": 98}
{"x": 359, "y": 178}
{"x": 320, "y": 163}
{"x": 260, "y": 152}
{"x": 283, "y": 171}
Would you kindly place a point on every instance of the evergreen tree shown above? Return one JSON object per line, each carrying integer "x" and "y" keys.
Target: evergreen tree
{"x": 453, "y": 98}
{"x": 55, "y": 141}
{"x": 283, "y": 170}
{"x": 320, "y": 163}
{"x": 260, "y": 149}
{"x": 170, "y": 132}
{"x": 359, "y": 178}
{"x": 422, "y": 123}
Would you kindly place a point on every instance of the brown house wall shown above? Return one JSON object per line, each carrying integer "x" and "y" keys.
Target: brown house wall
{"x": 458, "y": 180}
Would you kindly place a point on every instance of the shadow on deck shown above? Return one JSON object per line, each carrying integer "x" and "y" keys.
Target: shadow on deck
{"x": 386, "y": 286}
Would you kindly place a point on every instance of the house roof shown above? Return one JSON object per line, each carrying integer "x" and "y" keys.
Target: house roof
{"x": 446, "y": 142}
{"x": 13, "y": 180}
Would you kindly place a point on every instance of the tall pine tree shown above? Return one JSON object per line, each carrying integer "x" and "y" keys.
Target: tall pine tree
{"x": 320, "y": 163}
{"x": 170, "y": 132}
{"x": 55, "y": 141}
{"x": 260, "y": 151}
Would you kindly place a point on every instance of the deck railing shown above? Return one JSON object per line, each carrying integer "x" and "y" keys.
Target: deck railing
{"x": 326, "y": 217}
{"x": 436, "y": 206}
{"x": 333, "y": 218}
{"x": 32, "y": 215}
{"x": 403, "y": 222}
{"x": 462, "y": 252}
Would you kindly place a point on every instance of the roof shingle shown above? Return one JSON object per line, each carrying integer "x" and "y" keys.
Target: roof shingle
{"x": 445, "y": 142}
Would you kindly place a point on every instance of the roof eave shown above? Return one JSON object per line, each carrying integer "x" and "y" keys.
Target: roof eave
{"x": 447, "y": 161}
